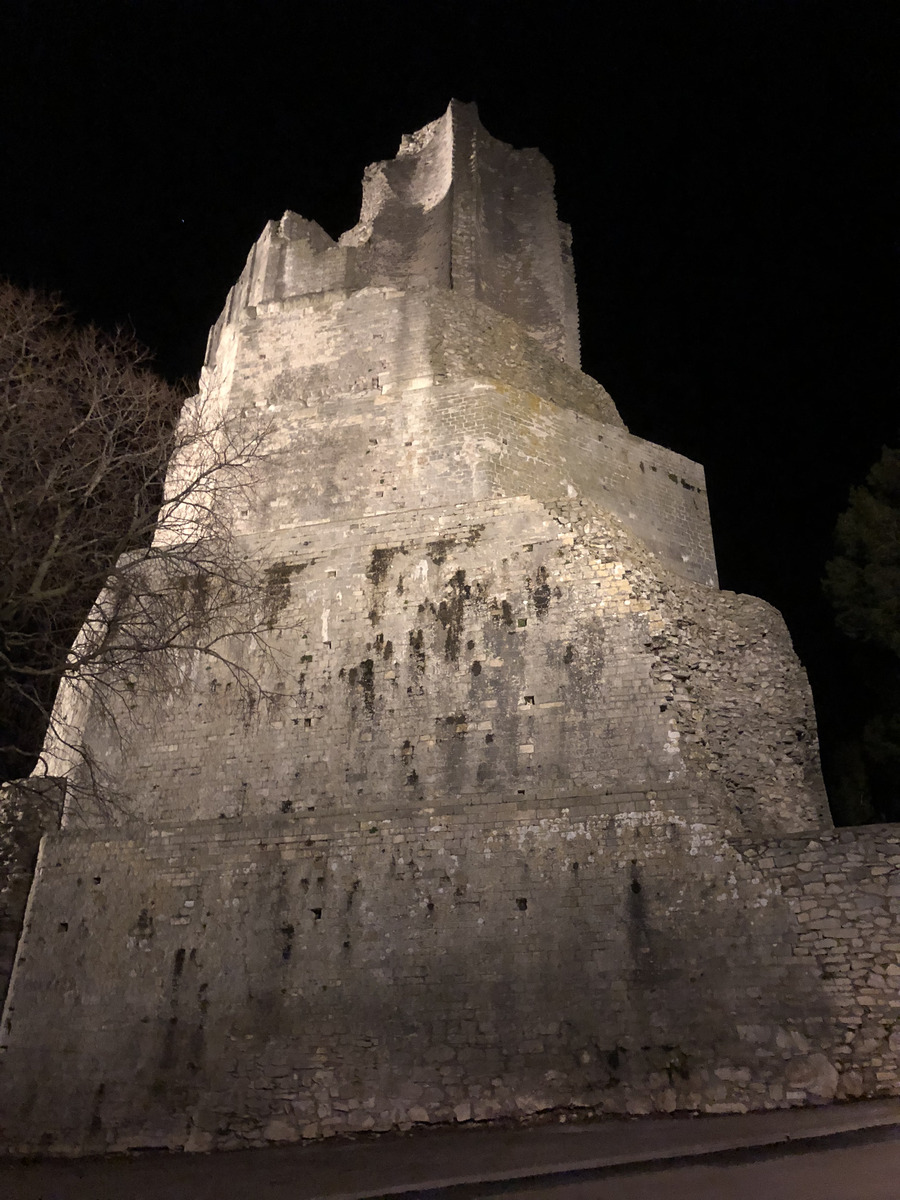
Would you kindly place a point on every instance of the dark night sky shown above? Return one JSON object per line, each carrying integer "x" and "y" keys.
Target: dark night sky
{"x": 727, "y": 166}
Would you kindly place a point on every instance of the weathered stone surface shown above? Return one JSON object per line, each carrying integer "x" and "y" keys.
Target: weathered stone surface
{"x": 538, "y": 820}
{"x": 814, "y": 1076}
{"x": 27, "y": 812}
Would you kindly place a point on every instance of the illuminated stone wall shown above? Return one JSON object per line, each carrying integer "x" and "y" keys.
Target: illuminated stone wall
{"x": 528, "y": 825}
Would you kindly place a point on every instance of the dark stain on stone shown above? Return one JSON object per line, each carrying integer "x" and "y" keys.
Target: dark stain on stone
{"x": 143, "y": 927}
{"x": 278, "y": 587}
{"x": 540, "y": 593}
{"x": 287, "y": 934}
{"x": 96, "y": 1122}
{"x": 476, "y": 668}
{"x": 639, "y": 931}
{"x": 380, "y": 563}
{"x": 569, "y": 655}
{"x": 437, "y": 550}
{"x": 416, "y": 645}
{"x": 450, "y": 613}
{"x": 367, "y": 683}
{"x": 363, "y": 676}
{"x": 388, "y": 651}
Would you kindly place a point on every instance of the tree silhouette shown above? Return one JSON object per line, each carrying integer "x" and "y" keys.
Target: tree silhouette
{"x": 863, "y": 585}
{"x": 117, "y": 556}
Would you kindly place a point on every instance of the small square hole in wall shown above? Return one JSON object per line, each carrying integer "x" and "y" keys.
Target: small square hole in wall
{"x": 529, "y": 699}
{"x": 307, "y": 722}
{"x": 317, "y": 914}
{"x": 331, "y": 574}
{"x": 327, "y": 645}
{"x": 521, "y": 904}
{"x": 287, "y": 806}
{"x": 522, "y": 622}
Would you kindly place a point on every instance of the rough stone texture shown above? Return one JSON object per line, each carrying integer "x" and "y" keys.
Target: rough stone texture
{"x": 843, "y": 888}
{"x": 529, "y": 826}
{"x": 456, "y": 209}
{"x": 26, "y": 813}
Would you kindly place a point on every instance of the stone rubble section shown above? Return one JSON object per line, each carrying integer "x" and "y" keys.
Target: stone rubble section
{"x": 533, "y": 819}
{"x": 736, "y": 694}
{"x": 842, "y": 887}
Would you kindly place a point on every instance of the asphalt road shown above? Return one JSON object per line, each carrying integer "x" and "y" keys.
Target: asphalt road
{"x": 839, "y": 1152}
{"x": 867, "y": 1170}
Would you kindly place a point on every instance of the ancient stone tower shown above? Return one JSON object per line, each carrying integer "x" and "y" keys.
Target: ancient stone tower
{"x": 531, "y": 826}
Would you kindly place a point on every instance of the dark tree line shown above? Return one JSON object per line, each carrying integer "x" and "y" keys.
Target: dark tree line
{"x": 863, "y": 584}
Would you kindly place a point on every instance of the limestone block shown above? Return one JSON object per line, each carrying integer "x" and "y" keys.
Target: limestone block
{"x": 814, "y": 1075}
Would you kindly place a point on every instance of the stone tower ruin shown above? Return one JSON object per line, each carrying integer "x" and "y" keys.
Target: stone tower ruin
{"x": 538, "y": 822}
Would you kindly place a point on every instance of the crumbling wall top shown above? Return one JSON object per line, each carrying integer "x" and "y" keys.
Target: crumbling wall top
{"x": 455, "y": 209}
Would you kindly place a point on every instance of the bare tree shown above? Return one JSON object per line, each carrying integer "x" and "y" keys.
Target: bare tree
{"x": 114, "y": 573}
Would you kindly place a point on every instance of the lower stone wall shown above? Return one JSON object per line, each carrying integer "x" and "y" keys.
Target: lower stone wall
{"x": 843, "y": 890}
{"x": 27, "y": 811}
{"x": 234, "y": 983}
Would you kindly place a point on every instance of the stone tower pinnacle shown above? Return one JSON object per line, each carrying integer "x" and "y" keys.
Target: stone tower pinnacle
{"x": 456, "y": 209}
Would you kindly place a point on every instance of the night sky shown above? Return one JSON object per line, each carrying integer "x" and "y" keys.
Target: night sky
{"x": 728, "y": 168}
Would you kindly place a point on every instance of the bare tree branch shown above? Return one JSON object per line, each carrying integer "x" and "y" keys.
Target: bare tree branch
{"x": 116, "y": 574}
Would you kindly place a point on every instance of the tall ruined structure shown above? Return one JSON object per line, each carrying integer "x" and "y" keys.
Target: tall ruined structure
{"x": 539, "y": 820}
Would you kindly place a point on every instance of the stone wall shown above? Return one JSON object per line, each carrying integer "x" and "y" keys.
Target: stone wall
{"x": 27, "y": 812}
{"x": 288, "y": 977}
{"x": 512, "y": 646}
{"x": 448, "y": 403}
{"x": 843, "y": 889}
{"x": 521, "y": 823}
